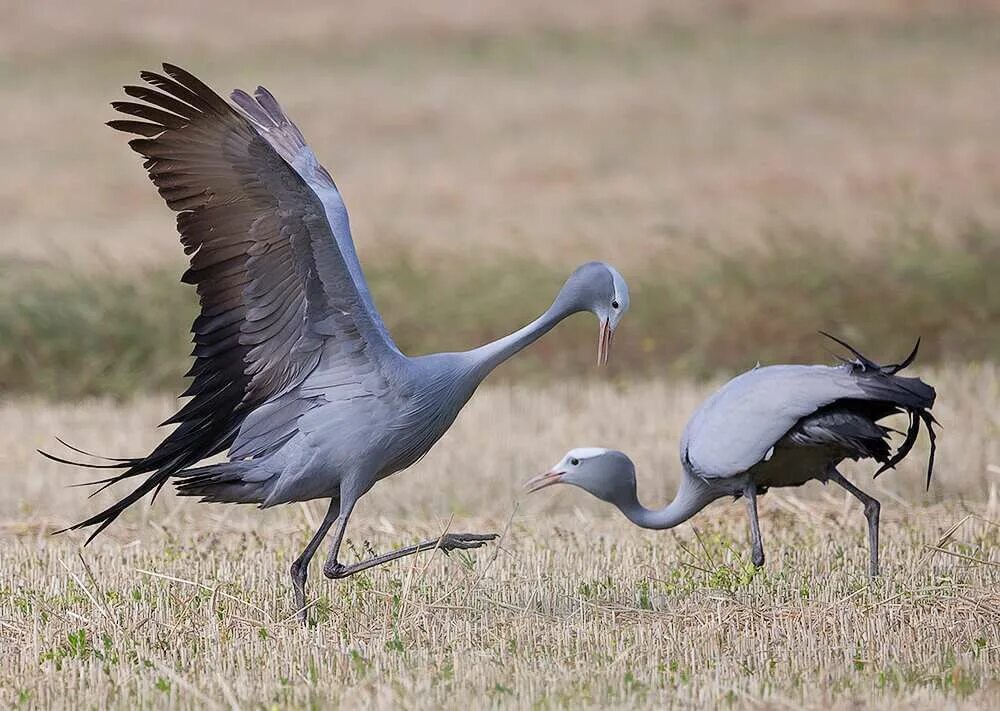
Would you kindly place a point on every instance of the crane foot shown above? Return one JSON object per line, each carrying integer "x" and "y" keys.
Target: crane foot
{"x": 465, "y": 541}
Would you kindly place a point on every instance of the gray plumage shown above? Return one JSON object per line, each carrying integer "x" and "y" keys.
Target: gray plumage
{"x": 781, "y": 425}
{"x": 295, "y": 373}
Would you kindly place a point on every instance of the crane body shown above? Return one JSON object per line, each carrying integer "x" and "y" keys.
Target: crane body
{"x": 777, "y": 426}
{"x": 296, "y": 377}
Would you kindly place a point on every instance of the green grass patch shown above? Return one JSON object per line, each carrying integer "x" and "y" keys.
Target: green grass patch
{"x": 68, "y": 335}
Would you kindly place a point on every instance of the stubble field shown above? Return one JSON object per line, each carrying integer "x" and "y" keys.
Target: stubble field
{"x": 188, "y": 604}
{"x": 756, "y": 175}
{"x": 758, "y": 172}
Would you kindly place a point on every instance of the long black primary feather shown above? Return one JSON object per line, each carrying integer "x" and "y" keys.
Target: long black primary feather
{"x": 910, "y": 394}
{"x": 863, "y": 361}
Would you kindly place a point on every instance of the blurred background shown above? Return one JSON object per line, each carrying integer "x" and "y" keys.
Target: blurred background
{"x": 758, "y": 171}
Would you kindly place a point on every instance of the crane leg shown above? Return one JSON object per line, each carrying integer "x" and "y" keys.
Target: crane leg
{"x": 872, "y": 508}
{"x": 335, "y": 570}
{"x": 756, "y": 544}
{"x": 446, "y": 543}
{"x": 300, "y": 568}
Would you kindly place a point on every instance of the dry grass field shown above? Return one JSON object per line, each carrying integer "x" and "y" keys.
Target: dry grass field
{"x": 758, "y": 171}
{"x": 187, "y": 604}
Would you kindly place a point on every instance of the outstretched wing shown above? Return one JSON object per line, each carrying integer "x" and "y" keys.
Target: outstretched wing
{"x": 271, "y": 255}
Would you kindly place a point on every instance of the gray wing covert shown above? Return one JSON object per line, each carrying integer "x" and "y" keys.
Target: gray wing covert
{"x": 733, "y": 430}
{"x": 264, "y": 113}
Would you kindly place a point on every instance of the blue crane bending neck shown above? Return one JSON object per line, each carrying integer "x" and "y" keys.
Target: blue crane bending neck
{"x": 692, "y": 496}
{"x": 486, "y": 358}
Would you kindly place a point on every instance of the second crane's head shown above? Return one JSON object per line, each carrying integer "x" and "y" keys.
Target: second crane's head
{"x": 600, "y": 289}
{"x": 605, "y": 473}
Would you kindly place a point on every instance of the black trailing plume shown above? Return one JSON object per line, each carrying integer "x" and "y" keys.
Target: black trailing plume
{"x": 866, "y": 364}
{"x": 910, "y": 395}
{"x": 181, "y": 123}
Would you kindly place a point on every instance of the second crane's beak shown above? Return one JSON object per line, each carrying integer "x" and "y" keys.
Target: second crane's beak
{"x": 604, "y": 342}
{"x": 543, "y": 480}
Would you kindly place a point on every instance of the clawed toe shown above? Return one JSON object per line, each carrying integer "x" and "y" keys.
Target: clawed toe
{"x": 333, "y": 572}
{"x": 465, "y": 541}
{"x": 474, "y": 536}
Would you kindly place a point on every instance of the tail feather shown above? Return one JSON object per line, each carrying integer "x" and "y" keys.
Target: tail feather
{"x": 908, "y": 393}
{"x": 929, "y": 423}
{"x": 119, "y": 460}
{"x": 106, "y": 517}
{"x": 867, "y": 363}
{"x": 915, "y": 397}
{"x": 227, "y": 482}
{"x": 912, "y": 395}
{"x": 181, "y": 448}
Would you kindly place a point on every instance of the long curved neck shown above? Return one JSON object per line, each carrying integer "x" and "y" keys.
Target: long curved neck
{"x": 487, "y": 357}
{"x": 691, "y": 498}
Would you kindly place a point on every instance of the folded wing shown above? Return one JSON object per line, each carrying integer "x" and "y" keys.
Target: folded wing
{"x": 736, "y": 427}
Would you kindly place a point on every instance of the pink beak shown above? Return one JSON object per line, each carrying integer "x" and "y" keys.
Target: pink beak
{"x": 543, "y": 480}
{"x": 604, "y": 343}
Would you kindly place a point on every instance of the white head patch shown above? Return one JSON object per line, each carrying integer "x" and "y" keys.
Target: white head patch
{"x": 620, "y": 287}
{"x": 585, "y": 453}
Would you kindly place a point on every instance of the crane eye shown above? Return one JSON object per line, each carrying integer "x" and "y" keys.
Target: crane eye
{"x": 614, "y": 304}
{"x": 574, "y": 461}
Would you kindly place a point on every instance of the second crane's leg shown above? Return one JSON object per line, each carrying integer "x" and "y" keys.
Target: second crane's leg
{"x": 872, "y": 508}
{"x": 333, "y": 569}
{"x": 300, "y": 568}
{"x": 756, "y": 544}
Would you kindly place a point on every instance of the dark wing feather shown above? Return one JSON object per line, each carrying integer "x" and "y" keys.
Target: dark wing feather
{"x": 848, "y": 428}
{"x": 735, "y": 428}
{"x": 266, "y": 261}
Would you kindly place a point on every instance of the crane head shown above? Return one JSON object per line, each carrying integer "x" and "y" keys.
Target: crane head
{"x": 611, "y": 315}
{"x": 605, "y": 473}
{"x": 599, "y": 288}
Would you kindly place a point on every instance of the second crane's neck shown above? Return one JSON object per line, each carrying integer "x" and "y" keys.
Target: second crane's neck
{"x": 692, "y": 496}
{"x": 484, "y": 359}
